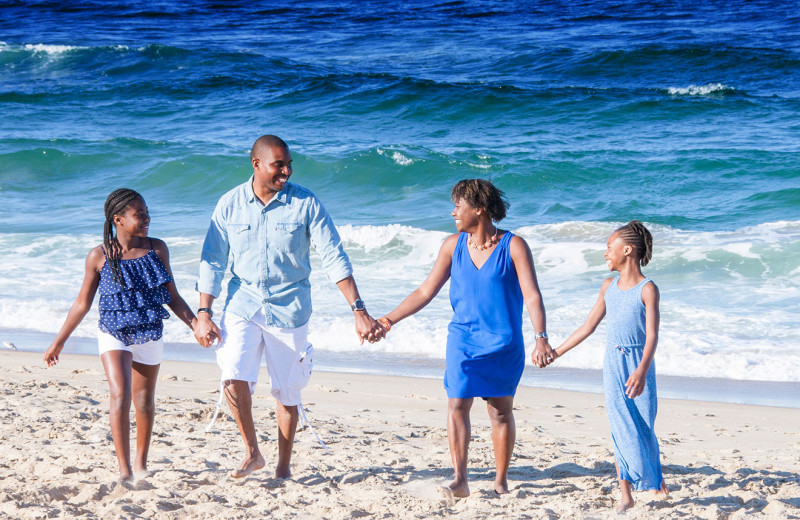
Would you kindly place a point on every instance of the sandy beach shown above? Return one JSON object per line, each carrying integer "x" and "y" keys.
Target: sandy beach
{"x": 388, "y": 451}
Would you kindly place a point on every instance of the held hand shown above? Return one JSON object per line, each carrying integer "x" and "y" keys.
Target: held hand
{"x": 377, "y": 333}
{"x": 51, "y": 355}
{"x": 385, "y": 325}
{"x": 206, "y": 331}
{"x": 635, "y": 384}
{"x": 367, "y": 328}
{"x": 543, "y": 354}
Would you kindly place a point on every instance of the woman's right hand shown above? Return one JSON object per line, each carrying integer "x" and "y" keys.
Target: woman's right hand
{"x": 51, "y": 354}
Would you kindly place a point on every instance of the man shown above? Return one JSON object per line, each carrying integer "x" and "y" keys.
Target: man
{"x": 267, "y": 226}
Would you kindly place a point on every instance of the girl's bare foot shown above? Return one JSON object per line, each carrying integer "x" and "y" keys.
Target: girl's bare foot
{"x": 248, "y": 466}
{"x": 140, "y": 470}
{"x": 142, "y": 474}
{"x": 501, "y": 488}
{"x": 283, "y": 473}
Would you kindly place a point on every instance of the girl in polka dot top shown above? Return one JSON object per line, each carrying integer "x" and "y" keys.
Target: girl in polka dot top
{"x": 132, "y": 272}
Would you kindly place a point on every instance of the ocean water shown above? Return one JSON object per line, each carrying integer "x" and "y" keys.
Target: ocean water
{"x": 587, "y": 114}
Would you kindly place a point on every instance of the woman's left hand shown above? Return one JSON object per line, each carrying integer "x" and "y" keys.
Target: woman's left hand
{"x": 543, "y": 354}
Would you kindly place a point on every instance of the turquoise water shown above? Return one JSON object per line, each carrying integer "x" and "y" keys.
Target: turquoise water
{"x": 587, "y": 114}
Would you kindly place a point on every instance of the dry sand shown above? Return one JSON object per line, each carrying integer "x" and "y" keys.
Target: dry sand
{"x": 388, "y": 452}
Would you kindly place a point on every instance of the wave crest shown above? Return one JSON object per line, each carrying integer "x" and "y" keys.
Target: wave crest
{"x": 701, "y": 90}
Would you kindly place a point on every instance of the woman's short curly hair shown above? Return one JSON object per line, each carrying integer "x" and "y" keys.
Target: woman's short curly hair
{"x": 482, "y": 194}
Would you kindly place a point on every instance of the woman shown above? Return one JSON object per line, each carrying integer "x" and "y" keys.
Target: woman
{"x": 491, "y": 273}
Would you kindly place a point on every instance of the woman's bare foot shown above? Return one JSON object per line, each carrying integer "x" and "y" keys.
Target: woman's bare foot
{"x": 248, "y": 466}
{"x": 663, "y": 492}
{"x": 623, "y": 505}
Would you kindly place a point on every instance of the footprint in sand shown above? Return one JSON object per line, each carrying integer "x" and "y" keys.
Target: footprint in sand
{"x": 327, "y": 389}
{"x": 417, "y": 396}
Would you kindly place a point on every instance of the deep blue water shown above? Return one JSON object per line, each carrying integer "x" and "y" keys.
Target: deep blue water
{"x": 586, "y": 113}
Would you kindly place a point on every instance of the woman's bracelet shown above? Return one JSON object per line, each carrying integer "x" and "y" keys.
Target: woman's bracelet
{"x": 385, "y": 322}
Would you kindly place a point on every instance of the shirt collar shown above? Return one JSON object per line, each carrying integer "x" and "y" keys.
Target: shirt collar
{"x": 248, "y": 189}
{"x": 282, "y": 196}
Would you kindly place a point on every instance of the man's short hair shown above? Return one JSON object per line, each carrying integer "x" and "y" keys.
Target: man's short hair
{"x": 264, "y": 142}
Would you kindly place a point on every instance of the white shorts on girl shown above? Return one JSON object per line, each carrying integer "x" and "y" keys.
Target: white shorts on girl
{"x": 150, "y": 353}
{"x": 286, "y": 350}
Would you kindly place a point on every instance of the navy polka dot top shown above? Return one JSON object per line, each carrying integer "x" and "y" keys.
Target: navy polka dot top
{"x": 132, "y": 312}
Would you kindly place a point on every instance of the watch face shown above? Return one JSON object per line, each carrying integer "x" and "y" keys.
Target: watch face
{"x": 358, "y": 305}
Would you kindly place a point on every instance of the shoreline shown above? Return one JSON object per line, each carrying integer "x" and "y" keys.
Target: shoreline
{"x": 785, "y": 394}
{"x": 388, "y": 445}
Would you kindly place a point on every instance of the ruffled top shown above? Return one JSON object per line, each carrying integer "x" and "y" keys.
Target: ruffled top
{"x": 133, "y": 312}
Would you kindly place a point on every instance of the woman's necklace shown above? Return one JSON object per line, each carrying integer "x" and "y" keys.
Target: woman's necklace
{"x": 486, "y": 245}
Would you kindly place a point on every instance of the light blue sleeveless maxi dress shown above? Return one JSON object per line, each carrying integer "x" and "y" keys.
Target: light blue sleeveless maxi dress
{"x": 485, "y": 349}
{"x": 632, "y": 420}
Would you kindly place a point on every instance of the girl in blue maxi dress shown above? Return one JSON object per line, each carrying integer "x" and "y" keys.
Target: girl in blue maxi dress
{"x": 132, "y": 273}
{"x": 630, "y": 301}
{"x": 491, "y": 275}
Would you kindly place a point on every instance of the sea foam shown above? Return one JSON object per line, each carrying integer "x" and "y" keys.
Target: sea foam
{"x": 700, "y": 90}
{"x": 730, "y": 300}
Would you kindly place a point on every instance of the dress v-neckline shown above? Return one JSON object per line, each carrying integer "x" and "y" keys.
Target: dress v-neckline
{"x": 496, "y": 247}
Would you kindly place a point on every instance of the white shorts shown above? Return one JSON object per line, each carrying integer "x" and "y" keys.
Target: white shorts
{"x": 150, "y": 353}
{"x": 287, "y": 352}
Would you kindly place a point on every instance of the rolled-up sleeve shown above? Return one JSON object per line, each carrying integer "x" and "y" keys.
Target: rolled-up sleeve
{"x": 214, "y": 258}
{"x": 327, "y": 242}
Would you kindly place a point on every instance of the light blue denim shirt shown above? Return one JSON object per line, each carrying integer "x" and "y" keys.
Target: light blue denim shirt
{"x": 268, "y": 248}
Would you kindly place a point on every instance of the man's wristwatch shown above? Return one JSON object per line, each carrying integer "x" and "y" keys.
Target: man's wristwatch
{"x": 206, "y": 309}
{"x": 541, "y": 335}
{"x": 358, "y": 305}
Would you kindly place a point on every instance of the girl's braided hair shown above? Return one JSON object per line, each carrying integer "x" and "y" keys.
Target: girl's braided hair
{"x": 635, "y": 234}
{"x": 479, "y": 193}
{"x": 115, "y": 205}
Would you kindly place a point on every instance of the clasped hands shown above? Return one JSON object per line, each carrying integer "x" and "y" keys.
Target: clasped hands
{"x": 206, "y": 332}
{"x": 543, "y": 354}
{"x": 371, "y": 329}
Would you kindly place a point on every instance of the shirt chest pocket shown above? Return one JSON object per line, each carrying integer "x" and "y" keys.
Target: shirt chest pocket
{"x": 287, "y": 236}
{"x": 239, "y": 236}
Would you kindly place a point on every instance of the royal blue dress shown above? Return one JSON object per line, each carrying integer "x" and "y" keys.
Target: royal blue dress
{"x": 133, "y": 311}
{"x": 485, "y": 350}
{"x": 631, "y": 420}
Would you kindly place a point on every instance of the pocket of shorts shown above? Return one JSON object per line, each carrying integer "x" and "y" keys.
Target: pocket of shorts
{"x": 300, "y": 373}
